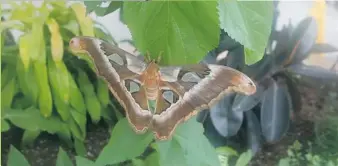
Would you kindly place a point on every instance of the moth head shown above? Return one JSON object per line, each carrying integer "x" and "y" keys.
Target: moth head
{"x": 152, "y": 69}
{"x": 78, "y": 44}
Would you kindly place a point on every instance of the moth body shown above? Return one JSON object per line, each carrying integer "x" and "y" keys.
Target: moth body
{"x": 150, "y": 79}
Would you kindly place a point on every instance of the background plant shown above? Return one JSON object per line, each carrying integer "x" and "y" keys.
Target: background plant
{"x": 44, "y": 87}
{"x": 265, "y": 116}
{"x": 298, "y": 154}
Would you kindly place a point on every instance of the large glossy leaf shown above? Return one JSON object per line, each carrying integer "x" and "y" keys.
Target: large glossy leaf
{"x": 124, "y": 144}
{"x": 212, "y": 134}
{"x": 261, "y": 69}
{"x": 187, "y": 147}
{"x": 275, "y": 111}
{"x": 302, "y": 40}
{"x": 15, "y": 158}
{"x": 244, "y": 102}
{"x": 296, "y": 98}
{"x": 280, "y": 51}
{"x": 188, "y": 33}
{"x": 248, "y": 23}
{"x": 226, "y": 121}
{"x": 253, "y": 132}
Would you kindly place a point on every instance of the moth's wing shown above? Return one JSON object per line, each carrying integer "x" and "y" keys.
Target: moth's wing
{"x": 163, "y": 102}
{"x": 138, "y": 93}
{"x": 138, "y": 117}
{"x": 221, "y": 81}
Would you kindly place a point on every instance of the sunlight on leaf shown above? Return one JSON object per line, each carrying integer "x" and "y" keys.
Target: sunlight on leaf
{"x": 56, "y": 40}
{"x": 183, "y": 31}
{"x": 248, "y": 23}
{"x": 86, "y": 23}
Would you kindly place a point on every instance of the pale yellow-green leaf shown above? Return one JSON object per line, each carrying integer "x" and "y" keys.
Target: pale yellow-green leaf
{"x": 86, "y": 23}
{"x": 25, "y": 48}
{"x": 56, "y": 40}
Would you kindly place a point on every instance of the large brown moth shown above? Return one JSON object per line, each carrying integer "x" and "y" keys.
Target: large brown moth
{"x": 178, "y": 92}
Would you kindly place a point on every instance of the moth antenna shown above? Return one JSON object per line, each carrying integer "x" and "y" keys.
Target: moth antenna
{"x": 148, "y": 56}
{"x": 159, "y": 57}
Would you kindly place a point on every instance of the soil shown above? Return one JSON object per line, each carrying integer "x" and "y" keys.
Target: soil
{"x": 45, "y": 148}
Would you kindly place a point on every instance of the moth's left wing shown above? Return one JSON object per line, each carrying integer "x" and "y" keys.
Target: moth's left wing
{"x": 199, "y": 87}
{"x": 117, "y": 67}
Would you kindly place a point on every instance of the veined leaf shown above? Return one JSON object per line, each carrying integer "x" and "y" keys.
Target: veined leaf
{"x": 187, "y": 147}
{"x": 56, "y": 40}
{"x": 178, "y": 30}
{"x": 249, "y": 23}
{"x": 122, "y": 140}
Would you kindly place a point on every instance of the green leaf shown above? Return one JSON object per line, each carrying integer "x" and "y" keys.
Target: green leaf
{"x": 23, "y": 119}
{"x": 189, "y": 145}
{"x": 29, "y": 137}
{"x": 124, "y": 144}
{"x": 171, "y": 153}
{"x": 31, "y": 119}
{"x": 248, "y": 23}
{"x": 15, "y": 158}
{"x": 63, "y": 159}
{"x": 244, "y": 158}
{"x": 152, "y": 160}
{"x": 183, "y": 31}
{"x": 284, "y": 162}
{"x": 226, "y": 151}
{"x": 81, "y": 161}
{"x": 92, "y": 5}
{"x": 4, "y": 125}
{"x": 114, "y": 5}
{"x": 79, "y": 147}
